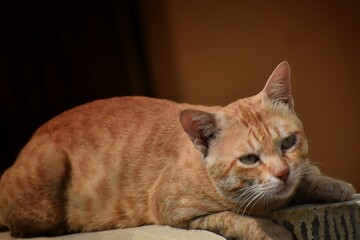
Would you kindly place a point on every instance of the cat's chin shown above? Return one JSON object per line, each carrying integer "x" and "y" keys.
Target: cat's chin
{"x": 286, "y": 190}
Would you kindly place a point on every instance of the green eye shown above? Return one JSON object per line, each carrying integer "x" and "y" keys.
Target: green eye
{"x": 288, "y": 142}
{"x": 249, "y": 159}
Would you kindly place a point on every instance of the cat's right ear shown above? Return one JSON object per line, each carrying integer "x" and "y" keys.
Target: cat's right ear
{"x": 200, "y": 126}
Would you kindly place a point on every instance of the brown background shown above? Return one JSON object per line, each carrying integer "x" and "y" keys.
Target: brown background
{"x": 214, "y": 52}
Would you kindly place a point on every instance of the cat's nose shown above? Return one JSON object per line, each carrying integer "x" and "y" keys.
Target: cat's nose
{"x": 283, "y": 175}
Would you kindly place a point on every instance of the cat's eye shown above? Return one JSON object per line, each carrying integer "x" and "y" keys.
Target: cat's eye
{"x": 288, "y": 142}
{"x": 249, "y": 159}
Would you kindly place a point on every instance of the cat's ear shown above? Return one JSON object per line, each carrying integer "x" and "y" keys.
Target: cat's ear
{"x": 278, "y": 86}
{"x": 200, "y": 126}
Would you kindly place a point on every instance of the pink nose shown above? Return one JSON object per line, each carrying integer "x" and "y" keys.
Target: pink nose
{"x": 283, "y": 175}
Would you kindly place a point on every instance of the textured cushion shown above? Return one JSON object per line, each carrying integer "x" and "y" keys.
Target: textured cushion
{"x": 316, "y": 221}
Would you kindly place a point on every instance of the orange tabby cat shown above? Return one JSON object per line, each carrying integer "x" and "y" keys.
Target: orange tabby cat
{"x": 131, "y": 161}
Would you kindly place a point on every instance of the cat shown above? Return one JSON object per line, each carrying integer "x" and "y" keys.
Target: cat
{"x": 131, "y": 161}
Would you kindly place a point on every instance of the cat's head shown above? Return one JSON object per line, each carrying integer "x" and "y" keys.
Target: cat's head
{"x": 254, "y": 149}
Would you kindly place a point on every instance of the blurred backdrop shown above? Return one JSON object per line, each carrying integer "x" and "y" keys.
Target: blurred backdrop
{"x": 56, "y": 56}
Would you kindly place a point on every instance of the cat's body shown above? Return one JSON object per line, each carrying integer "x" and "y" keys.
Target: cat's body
{"x": 131, "y": 161}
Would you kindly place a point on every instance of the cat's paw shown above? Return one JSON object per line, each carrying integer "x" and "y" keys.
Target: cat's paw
{"x": 271, "y": 231}
{"x": 331, "y": 190}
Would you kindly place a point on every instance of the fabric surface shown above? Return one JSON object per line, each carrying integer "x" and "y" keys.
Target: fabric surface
{"x": 138, "y": 233}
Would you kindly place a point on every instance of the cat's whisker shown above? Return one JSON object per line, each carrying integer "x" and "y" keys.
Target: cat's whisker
{"x": 268, "y": 199}
{"x": 245, "y": 191}
{"x": 304, "y": 169}
{"x": 316, "y": 163}
{"x": 261, "y": 195}
{"x": 240, "y": 198}
{"x": 248, "y": 199}
{"x": 248, "y": 196}
{"x": 255, "y": 199}
{"x": 253, "y": 202}
{"x": 312, "y": 163}
{"x": 250, "y": 190}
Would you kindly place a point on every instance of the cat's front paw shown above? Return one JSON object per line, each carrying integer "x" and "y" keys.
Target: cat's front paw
{"x": 264, "y": 229}
{"x": 272, "y": 231}
{"x": 328, "y": 189}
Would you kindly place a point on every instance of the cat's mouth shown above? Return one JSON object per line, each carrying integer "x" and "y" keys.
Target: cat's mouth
{"x": 285, "y": 190}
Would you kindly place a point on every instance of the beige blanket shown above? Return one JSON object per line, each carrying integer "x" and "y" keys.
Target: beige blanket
{"x": 138, "y": 233}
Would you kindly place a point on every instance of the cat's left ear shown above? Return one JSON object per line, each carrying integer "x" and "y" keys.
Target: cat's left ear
{"x": 200, "y": 126}
{"x": 278, "y": 86}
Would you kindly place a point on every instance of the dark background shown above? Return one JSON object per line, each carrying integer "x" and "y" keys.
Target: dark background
{"x": 55, "y": 55}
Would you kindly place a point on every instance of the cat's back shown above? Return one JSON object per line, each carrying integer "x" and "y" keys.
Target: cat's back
{"x": 117, "y": 112}
{"x": 122, "y": 126}
{"x": 112, "y": 119}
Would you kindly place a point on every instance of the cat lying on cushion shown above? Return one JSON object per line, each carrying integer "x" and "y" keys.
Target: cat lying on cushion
{"x": 132, "y": 161}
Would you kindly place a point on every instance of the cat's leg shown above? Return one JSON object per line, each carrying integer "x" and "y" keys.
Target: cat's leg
{"x": 32, "y": 200}
{"x": 317, "y": 187}
{"x": 234, "y": 226}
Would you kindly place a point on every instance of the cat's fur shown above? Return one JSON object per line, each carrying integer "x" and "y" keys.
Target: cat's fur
{"x": 131, "y": 161}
